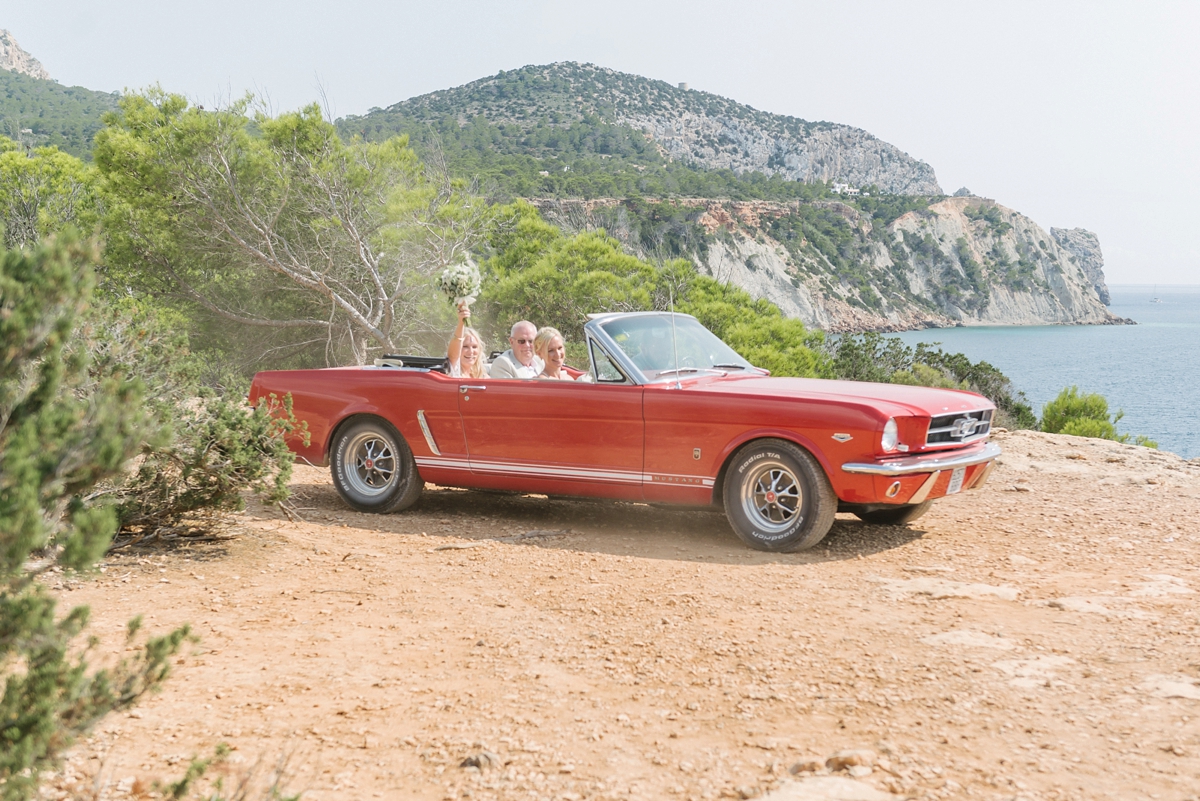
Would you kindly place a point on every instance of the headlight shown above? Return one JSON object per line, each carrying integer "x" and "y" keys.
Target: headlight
{"x": 891, "y": 435}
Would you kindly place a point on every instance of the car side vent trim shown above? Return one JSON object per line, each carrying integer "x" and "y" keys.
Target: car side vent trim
{"x": 428, "y": 434}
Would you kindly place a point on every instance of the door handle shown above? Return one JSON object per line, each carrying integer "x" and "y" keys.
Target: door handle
{"x": 465, "y": 388}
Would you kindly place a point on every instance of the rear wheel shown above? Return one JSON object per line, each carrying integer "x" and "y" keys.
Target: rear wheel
{"x": 777, "y": 497}
{"x": 373, "y": 468}
{"x": 895, "y": 516}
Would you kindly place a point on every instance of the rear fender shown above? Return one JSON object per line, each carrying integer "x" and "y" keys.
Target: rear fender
{"x": 350, "y": 417}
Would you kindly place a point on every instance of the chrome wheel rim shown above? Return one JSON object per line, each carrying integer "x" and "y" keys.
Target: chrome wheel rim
{"x": 370, "y": 462}
{"x": 771, "y": 496}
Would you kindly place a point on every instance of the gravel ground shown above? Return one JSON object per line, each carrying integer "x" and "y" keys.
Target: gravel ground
{"x": 1035, "y": 639}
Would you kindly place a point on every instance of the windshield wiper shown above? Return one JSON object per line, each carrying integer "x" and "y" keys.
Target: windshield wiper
{"x": 731, "y": 366}
{"x": 680, "y": 370}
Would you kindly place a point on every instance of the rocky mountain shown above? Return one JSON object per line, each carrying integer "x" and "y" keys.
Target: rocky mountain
{"x": 955, "y": 261}
{"x": 751, "y": 198}
{"x": 14, "y": 59}
{"x": 594, "y": 114}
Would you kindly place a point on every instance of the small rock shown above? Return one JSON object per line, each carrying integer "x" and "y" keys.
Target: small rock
{"x": 859, "y": 771}
{"x": 812, "y": 765}
{"x": 484, "y": 760}
{"x": 857, "y": 757}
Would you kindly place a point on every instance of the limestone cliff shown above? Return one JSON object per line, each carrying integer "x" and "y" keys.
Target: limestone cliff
{"x": 1084, "y": 247}
{"x": 958, "y": 261}
{"x": 720, "y": 138}
{"x": 14, "y": 59}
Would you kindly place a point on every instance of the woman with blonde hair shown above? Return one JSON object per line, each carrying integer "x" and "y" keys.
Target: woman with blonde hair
{"x": 465, "y": 353}
{"x": 551, "y": 348}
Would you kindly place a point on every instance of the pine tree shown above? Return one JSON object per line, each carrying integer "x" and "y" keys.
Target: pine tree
{"x": 66, "y": 424}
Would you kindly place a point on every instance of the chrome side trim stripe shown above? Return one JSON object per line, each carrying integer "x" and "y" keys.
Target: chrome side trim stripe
{"x": 925, "y": 464}
{"x": 445, "y": 464}
{"x": 428, "y": 434}
{"x": 552, "y": 471}
{"x": 547, "y": 471}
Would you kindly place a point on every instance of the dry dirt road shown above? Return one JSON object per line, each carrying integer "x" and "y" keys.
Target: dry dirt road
{"x": 1036, "y": 639}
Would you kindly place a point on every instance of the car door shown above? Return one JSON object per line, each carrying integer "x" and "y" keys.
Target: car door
{"x": 557, "y": 437}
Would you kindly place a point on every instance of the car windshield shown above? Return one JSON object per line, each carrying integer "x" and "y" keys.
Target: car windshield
{"x": 659, "y": 353}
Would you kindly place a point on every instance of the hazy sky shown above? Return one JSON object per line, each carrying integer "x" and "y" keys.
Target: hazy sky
{"x": 1074, "y": 113}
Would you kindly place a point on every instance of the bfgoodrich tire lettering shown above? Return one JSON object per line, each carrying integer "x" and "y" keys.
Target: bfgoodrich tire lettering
{"x": 777, "y": 497}
{"x": 373, "y": 467}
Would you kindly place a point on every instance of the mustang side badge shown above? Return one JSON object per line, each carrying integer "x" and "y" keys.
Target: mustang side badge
{"x": 843, "y": 437}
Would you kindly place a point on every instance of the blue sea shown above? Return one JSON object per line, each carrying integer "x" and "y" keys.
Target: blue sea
{"x": 1150, "y": 370}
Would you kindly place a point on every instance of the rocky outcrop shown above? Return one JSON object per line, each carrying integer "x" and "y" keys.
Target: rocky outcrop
{"x": 1084, "y": 247}
{"x": 959, "y": 261}
{"x": 785, "y": 147}
{"x": 14, "y": 59}
{"x": 984, "y": 264}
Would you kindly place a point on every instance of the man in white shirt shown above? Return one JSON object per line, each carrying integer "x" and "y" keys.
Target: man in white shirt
{"x": 519, "y": 361}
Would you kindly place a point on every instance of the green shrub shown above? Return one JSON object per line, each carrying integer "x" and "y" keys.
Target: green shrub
{"x": 213, "y": 446}
{"x": 922, "y": 375}
{"x": 1089, "y": 427}
{"x": 873, "y": 357}
{"x": 1086, "y": 415}
{"x": 783, "y": 346}
{"x": 67, "y": 423}
{"x": 220, "y": 449}
{"x": 1071, "y": 406}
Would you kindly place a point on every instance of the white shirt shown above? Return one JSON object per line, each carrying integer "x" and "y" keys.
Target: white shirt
{"x": 456, "y": 370}
{"x": 507, "y": 366}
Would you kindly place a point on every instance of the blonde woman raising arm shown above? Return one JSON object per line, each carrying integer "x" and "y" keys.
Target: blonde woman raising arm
{"x": 465, "y": 352}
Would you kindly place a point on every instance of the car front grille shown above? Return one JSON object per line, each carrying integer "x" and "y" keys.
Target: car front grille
{"x": 959, "y": 427}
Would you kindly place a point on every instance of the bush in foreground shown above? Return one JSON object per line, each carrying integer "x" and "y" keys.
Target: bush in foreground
{"x": 67, "y": 423}
{"x": 1086, "y": 415}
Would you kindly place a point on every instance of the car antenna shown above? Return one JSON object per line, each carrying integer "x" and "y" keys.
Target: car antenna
{"x": 674, "y": 342}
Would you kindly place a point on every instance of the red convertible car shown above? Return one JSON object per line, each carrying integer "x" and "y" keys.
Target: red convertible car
{"x": 666, "y": 413}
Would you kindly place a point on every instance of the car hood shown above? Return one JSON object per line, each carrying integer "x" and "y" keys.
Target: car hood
{"x": 921, "y": 401}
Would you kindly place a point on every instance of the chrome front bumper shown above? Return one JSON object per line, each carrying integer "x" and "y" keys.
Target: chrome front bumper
{"x": 907, "y": 466}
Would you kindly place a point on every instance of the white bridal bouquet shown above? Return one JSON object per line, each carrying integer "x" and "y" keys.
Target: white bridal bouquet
{"x": 460, "y": 282}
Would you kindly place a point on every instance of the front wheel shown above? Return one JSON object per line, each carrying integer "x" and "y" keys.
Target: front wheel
{"x": 373, "y": 468}
{"x": 777, "y": 497}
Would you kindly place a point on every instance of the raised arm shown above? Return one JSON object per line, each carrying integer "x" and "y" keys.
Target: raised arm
{"x": 454, "y": 348}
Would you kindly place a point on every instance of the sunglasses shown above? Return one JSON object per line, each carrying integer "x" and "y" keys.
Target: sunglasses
{"x": 524, "y": 341}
